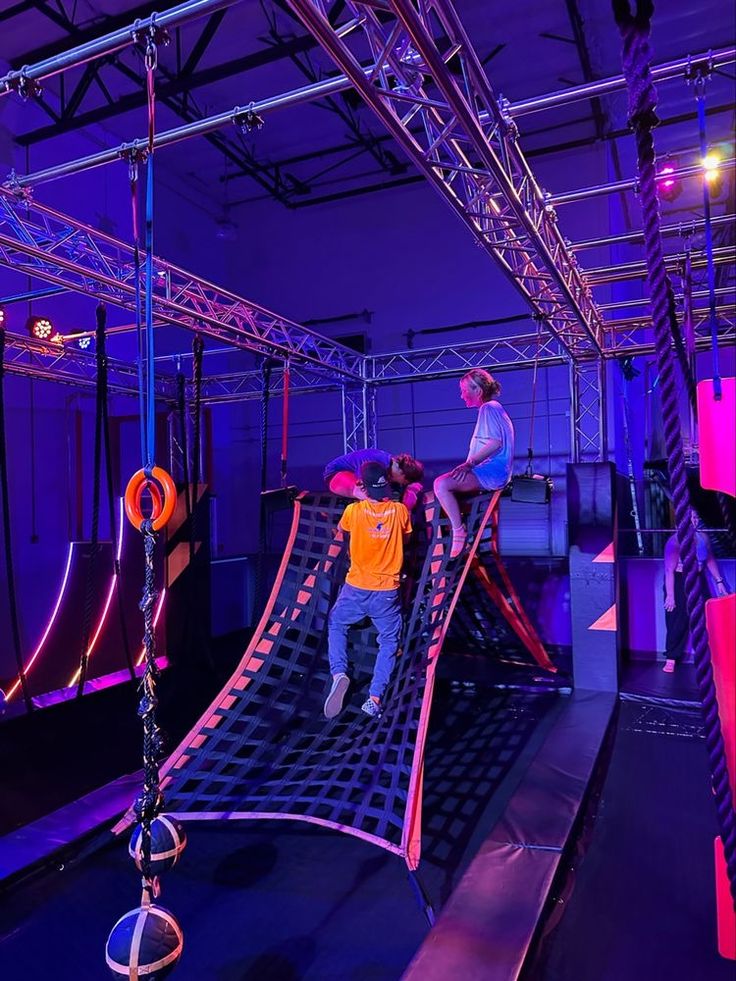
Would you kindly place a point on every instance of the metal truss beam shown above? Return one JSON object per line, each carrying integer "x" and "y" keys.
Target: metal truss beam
{"x": 47, "y": 245}
{"x": 447, "y": 360}
{"x": 69, "y": 365}
{"x": 635, "y": 335}
{"x": 588, "y": 438}
{"x": 240, "y": 386}
{"x": 426, "y": 71}
{"x": 358, "y": 416}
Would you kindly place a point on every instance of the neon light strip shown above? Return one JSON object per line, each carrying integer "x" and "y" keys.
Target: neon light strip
{"x": 50, "y": 624}
{"x": 156, "y": 616}
{"x": 108, "y": 600}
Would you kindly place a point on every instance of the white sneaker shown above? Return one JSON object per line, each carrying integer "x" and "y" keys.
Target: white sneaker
{"x": 669, "y": 666}
{"x": 336, "y": 696}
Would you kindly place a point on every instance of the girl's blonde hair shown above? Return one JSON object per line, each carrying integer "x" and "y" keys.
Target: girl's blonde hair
{"x": 485, "y": 382}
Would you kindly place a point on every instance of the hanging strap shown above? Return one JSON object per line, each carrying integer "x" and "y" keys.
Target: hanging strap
{"x": 285, "y": 425}
{"x": 712, "y": 317}
{"x": 89, "y": 586}
{"x": 530, "y": 450}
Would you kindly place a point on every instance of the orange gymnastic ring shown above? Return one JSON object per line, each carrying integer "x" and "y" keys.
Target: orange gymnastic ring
{"x": 163, "y": 507}
{"x": 157, "y": 501}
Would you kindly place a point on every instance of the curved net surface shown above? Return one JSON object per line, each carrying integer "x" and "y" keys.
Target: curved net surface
{"x": 264, "y": 748}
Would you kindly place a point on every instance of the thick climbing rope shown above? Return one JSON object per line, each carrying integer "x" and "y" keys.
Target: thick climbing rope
{"x": 100, "y": 402}
{"x": 637, "y": 56}
{"x": 149, "y": 802}
{"x": 7, "y": 537}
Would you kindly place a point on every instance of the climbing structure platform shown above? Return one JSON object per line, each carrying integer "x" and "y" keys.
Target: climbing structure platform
{"x": 263, "y": 749}
{"x": 490, "y": 616}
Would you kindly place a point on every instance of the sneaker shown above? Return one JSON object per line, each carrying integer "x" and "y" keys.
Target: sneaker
{"x": 336, "y": 696}
{"x": 669, "y": 666}
{"x": 459, "y": 538}
{"x": 371, "y": 708}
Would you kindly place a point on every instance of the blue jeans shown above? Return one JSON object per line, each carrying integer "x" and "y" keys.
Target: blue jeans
{"x": 384, "y": 609}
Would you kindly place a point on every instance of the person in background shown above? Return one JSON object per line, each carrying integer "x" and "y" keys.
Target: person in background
{"x": 378, "y": 527}
{"x": 490, "y": 458}
{"x": 676, "y": 618}
{"x": 342, "y": 475}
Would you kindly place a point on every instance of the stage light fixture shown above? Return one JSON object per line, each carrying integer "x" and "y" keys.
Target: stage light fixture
{"x": 84, "y": 342}
{"x": 713, "y": 173}
{"x": 669, "y": 186}
{"x": 40, "y": 328}
{"x": 2, "y": 317}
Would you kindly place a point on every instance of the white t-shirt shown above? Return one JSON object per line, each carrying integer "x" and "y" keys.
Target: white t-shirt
{"x": 493, "y": 423}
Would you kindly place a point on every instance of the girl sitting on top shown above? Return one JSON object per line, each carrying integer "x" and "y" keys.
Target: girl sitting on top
{"x": 490, "y": 457}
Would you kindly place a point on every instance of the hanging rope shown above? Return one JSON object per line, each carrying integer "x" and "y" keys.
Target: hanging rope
{"x": 9, "y": 569}
{"x": 636, "y": 59}
{"x": 262, "y": 536}
{"x": 181, "y": 404}
{"x": 285, "y": 425}
{"x": 529, "y": 472}
{"x": 100, "y": 403}
{"x": 197, "y": 359}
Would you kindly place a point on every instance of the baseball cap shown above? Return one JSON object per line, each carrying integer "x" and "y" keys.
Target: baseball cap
{"x": 374, "y": 478}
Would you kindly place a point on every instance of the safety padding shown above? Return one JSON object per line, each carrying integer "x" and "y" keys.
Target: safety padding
{"x": 717, "y": 430}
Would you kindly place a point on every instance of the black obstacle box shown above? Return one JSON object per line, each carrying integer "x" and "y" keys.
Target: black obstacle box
{"x": 531, "y": 489}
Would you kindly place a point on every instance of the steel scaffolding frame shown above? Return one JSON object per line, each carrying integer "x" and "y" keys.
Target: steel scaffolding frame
{"x": 45, "y": 244}
{"x": 588, "y": 423}
{"x": 68, "y": 365}
{"x": 467, "y": 148}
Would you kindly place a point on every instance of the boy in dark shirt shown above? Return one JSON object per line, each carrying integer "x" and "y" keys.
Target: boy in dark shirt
{"x": 342, "y": 475}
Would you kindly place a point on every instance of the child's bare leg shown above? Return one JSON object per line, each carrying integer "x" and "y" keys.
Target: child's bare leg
{"x": 345, "y": 484}
{"x": 446, "y": 488}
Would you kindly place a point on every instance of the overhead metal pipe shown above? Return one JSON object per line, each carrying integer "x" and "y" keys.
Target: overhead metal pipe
{"x": 683, "y": 228}
{"x": 108, "y": 43}
{"x": 697, "y": 295}
{"x": 583, "y": 193}
{"x": 636, "y": 270}
{"x": 31, "y": 295}
{"x": 624, "y": 323}
{"x": 307, "y": 93}
{"x": 604, "y": 86}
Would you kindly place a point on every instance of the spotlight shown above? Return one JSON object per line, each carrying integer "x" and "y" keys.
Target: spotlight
{"x": 84, "y": 342}
{"x": 2, "y": 318}
{"x": 712, "y": 173}
{"x": 40, "y": 327}
{"x": 669, "y": 187}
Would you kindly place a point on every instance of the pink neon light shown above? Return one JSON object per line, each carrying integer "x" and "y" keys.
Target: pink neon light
{"x": 108, "y": 600}
{"x": 156, "y": 616}
{"x": 50, "y": 624}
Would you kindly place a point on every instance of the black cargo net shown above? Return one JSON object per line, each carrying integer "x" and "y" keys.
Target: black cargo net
{"x": 264, "y": 748}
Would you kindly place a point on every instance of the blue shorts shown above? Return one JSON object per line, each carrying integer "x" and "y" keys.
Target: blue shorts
{"x": 492, "y": 474}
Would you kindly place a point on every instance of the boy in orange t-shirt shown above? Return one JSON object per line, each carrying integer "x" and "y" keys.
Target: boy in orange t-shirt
{"x": 377, "y": 529}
